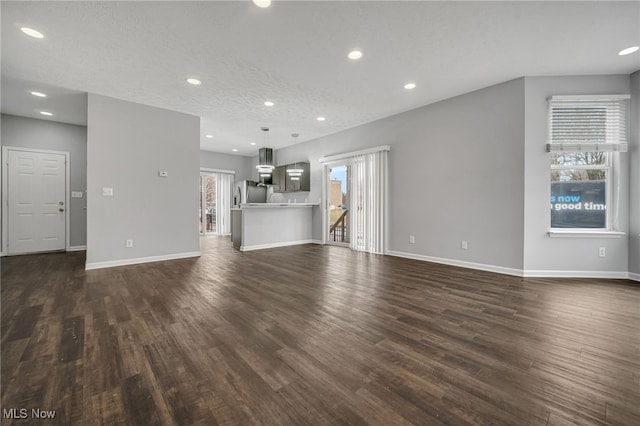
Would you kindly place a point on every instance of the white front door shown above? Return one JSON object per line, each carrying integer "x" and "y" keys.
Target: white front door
{"x": 36, "y": 201}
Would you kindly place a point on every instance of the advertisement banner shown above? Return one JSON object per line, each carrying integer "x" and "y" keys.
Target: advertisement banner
{"x": 578, "y": 204}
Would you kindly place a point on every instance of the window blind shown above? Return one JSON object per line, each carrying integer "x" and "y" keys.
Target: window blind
{"x": 368, "y": 202}
{"x": 224, "y": 203}
{"x": 579, "y": 123}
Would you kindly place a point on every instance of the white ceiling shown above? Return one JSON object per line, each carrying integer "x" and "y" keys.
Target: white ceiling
{"x": 295, "y": 54}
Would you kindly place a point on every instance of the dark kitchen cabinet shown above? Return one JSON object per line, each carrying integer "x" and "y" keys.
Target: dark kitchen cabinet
{"x": 279, "y": 179}
{"x": 303, "y": 183}
{"x": 282, "y": 182}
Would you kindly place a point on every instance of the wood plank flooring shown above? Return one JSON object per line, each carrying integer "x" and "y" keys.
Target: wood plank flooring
{"x": 313, "y": 335}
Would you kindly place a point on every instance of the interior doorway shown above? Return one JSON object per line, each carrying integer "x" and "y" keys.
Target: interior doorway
{"x": 35, "y": 193}
{"x": 338, "y": 189}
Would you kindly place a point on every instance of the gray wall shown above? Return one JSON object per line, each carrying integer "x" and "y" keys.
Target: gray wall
{"x": 128, "y": 144}
{"x": 456, "y": 171}
{"x": 542, "y": 253}
{"x": 49, "y": 135}
{"x": 215, "y": 160}
{"x": 634, "y": 159}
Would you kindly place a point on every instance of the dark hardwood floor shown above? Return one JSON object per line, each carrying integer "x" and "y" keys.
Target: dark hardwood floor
{"x": 313, "y": 335}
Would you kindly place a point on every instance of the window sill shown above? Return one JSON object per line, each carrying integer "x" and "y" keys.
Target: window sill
{"x": 584, "y": 233}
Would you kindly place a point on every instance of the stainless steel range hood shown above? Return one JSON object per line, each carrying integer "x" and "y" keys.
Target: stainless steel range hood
{"x": 265, "y": 159}
{"x": 265, "y": 166}
{"x": 265, "y": 162}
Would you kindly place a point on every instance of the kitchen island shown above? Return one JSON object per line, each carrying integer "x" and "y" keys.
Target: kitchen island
{"x": 256, "y": 226}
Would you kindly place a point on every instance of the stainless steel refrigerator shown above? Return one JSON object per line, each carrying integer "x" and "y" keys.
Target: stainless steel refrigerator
{"x": 248, "y": 191}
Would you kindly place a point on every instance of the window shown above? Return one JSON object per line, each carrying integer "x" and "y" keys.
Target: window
{"x": 586, "y": 136}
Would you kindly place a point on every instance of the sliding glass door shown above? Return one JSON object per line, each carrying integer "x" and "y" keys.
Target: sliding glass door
{"x": 338, "y": 204}
{"x": 208, "y": 206}
{"x": 215, "y": 203}
{"x": 356, "y": 199}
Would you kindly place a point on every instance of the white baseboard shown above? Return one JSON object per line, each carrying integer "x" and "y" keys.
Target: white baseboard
{"x": 124, "y": 262}
{"x": 460, "y": 263}
{"x": 317, "y": 242}
{"x": 274, "y": 245}
{"x": 576, "y": 274}
{"x": 77, "y": 248}
{"x": 520, "y": 272}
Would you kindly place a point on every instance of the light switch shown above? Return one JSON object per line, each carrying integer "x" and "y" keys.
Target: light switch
{"x": 107, "y": 192}
{"x": 76, "y": 194}
{"x": 163, "y": 173}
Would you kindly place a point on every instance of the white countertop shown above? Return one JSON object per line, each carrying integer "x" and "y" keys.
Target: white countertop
{"x": 274, "y": 205}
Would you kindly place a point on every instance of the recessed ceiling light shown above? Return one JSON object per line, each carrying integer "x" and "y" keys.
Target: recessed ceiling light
{"x": 45, "y": 113}
{"x": 629, "y": 50}
{"x": 234, "y": 150}
{"x": 268, "y": 103}
{"x": 31, "y": 32}
{"x": 410, "y": 86}
{"x": 262, "y": 3}
{"x": 355, "y": 55}
{"x": 208, "y": 136}
{"x": 39, "y": 94}
{"x": 252, "y": 144}
{"x": 194, "y": 81}
{"x": 320, "y": 118}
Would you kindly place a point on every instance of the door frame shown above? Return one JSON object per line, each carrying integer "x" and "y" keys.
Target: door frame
{"x": 325, "y": 198}
{"x": 5, "y": 196}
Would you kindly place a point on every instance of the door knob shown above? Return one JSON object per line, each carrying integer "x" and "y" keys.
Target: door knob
{"x": 60, "y": 210}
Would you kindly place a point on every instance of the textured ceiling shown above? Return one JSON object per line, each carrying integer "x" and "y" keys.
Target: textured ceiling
{"x": 295, "y": 54}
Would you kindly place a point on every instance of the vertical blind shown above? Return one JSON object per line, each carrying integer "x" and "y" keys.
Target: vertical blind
{"x": 223, "y": 202}
{"x": 368, "y": 201}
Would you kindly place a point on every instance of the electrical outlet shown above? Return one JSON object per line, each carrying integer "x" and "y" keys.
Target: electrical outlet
{"x": 602, "y": 252}
{"x": 412, "y": 239}
{"x": 463, "y": 245}
{"x": 129, "y": 243}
